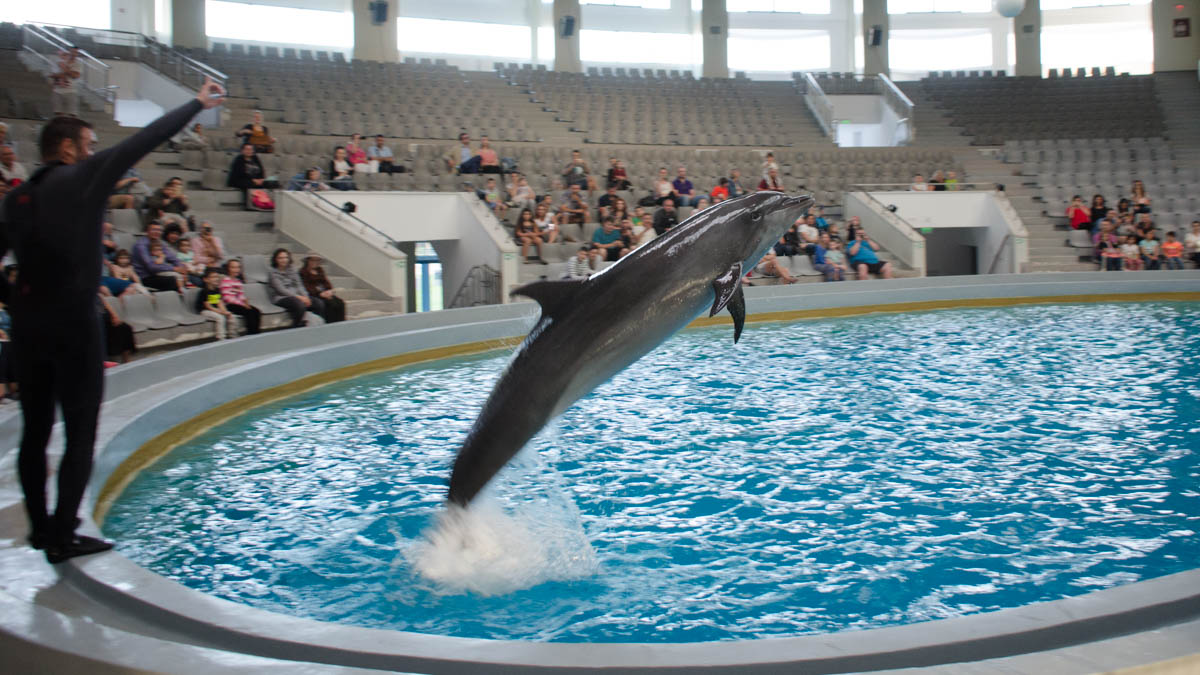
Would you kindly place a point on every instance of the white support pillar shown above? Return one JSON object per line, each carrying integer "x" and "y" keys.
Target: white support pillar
{"x": 1172, "y": 49}
{"x": 875, "y": 57}
{"x": 372, "y": 41}
{"x": 1027, "y": 29}
{"x": 188, "y": 26}
{"x": 567, "y": 24}
{"x": 714, "y": 26}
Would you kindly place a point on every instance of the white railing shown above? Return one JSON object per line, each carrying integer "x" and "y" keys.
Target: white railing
{"x": 902, "y": 106}
{"x": 819, "y": 104}
{"x": 40, "y": 52}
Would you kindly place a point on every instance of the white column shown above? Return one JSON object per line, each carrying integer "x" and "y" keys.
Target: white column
{"x": 375, "y": 42}
{"x": 714, "y": 27}
{"x": 1027, "y": 31}
{"x": 875, "y": 59}
{"x": 567, "y": 16}
{"x": 1171, "y": 52}
{"x": 188, "y": 24}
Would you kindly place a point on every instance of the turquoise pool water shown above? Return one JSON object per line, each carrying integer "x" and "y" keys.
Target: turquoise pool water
{"x": 818, "y": 476}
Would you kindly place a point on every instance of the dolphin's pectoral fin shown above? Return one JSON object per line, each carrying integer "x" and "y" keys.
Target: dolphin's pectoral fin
{"x": 551, "y": 295}
{"x": 726, "y": 286}
{"x": 737, "y": 309}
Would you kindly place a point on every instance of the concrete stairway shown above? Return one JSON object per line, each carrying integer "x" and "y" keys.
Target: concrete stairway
{"x": 1179, "y": 93}
{"x": 933, "y": 125}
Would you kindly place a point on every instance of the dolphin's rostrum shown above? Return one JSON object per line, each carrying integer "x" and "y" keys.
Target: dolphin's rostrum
{"x": 592, "y": 329}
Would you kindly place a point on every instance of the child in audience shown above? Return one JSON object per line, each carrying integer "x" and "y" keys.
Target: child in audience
{"x": 210, "y": 305}
{"x": 1131, "y": 254}
{"x": 233, "y": 294}
{"x": 1172, "y": 253}
{"x": 527, "y": 233}
{"x": 122, "y": 269}
{"x": 158, "y": 254}
{"x": 578, "y": 267}
{"x": 1109, "y": 247}
{"x": 1192, "y": 243}
{"x": 185, "y": 255}
{"x": 1151, "y": 251}
{"x": 835, "y": 257}
{"x": 491, "y": 195}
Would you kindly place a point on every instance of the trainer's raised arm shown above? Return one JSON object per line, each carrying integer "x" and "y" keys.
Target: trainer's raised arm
{"x": 211, "y": 94}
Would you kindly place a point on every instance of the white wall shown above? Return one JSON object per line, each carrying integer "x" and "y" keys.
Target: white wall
{"x": 143, "y": 95}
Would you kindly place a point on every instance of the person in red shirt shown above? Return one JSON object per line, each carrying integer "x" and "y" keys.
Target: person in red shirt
{"x": 1172, "y": 251}
{"x": 1081, "y": 218}
{"x": 771, "y": 182}
{"x": 721, "y": 190}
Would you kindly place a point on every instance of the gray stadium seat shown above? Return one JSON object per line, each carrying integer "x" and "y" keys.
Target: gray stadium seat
{"x": 140, "y": 314}
{"x": 255, "y": 269}
{"x": 170, "y": 307}
{"x": 1080, "y": 239}
{"x": 258, "y": 297}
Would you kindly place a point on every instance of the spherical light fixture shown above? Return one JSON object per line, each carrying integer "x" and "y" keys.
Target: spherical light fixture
{"x": 1008, "y": 8}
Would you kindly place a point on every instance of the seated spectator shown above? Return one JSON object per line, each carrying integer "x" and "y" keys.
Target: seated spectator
{"x": 579, "y": 267}
{"x": 1079, "y": 216}
{"x": 195, "y": 272}
{"x": 820, "y": 263}
{"x": 573, "y": 208}
{"x": 356, "y": 154}
{"x": 576, "y": 172}
{"x": 527, "y": 233}
{"x": 233, "y": 294}
{"x": 769, "y": 266}
{"x": 1131, "y": 254}
{"x": 701, "y": 204}
{"x": 520, "y": 194}
{"x": 666, "y": 218}
{"x": 545, "y": 222}
{"x": 789, "y": 243}
{"x": 489, "y": 161}
{"x": 192, "y": 139}
{"x": 1125, "y": 225}
{"x": 1172, "y": 253}
{"x": 664, "y": 189}
{"x": 629, "y": 240}
{"x": 1108, "y": 247}
{"x": 1151, "y": 250}
{"x": 951, "y": 181}
{"x": 169, "y": 205}
{"x": 208, "y": 247}
{"x": 1141, "y": 203}
{"x": 309, "y": 180}
{"x": 721, "y": 191}
{"x": 122, "y": 279}
{"x": 620, "y": 210}
{"x": 735, "y": 184}
{"x": 330, "y": 307}
{"x": 256, "y": 134}
{"x": 836, "y": 258}
{"x": 118, "y": 335}
{"x": 919, "y": 184}
{"x": 937, "y": 182}
{"x": 123, "y": 196}
{"x": 818, "y": 219}
{"x": 493, "y": 198}
{"x": 807, "y": 229}
{"x": 341, "y": 171}
{"x": 617, "y": 176}
{"x": 643, "y": 229}
{"x": 1099, "y": 210}
{"x": 853, "y": 224}
{"x": 157, "y": 267}
{"x": 10, "y": 169}
{"x": 381, "y": 159}
{"x": 210, "y": 305}
{"x": 606, "y": 202}
{"x": 834, "y": 232}
{"x": 640, "y": 217}
{"x": 461, "y": 158}
{"x": 64, "y": 84}
{"x": 771, "y": 182}
{"x": 286, "y": 290}
{"x": 685, "y": 192}
{"x": 1191, "y": 243}
{"x": 768, "y": 164}
{"x": 246, "y": 173}
{"x": 1124, "y": 206}
{"x": 607, "y": 244}
{"x": 107, "y": 241}
{"x": 863, "y": 259}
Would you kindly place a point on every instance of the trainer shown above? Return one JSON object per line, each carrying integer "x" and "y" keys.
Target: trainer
{"x": 54, "y": 222}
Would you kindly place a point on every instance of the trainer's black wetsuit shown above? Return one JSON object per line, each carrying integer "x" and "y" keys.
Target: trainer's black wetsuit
{"x": 54, "y": 224}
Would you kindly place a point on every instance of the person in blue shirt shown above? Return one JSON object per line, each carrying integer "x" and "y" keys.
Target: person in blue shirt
{"x": 684, "y": 189}
{"x": 863, "y": 259}
{"x": 820, "y": 264}
{"x": 607, "y": 244}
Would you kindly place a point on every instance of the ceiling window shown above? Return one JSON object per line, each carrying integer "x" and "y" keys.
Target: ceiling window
{"x": 1092, "y": 44}
{"x": 939, "y": 49}
{"x": 611, "y": 46}
{"x": 794, "y": 6}
{"x": 768, "y": 50}
{"x": 282, "y": 25}
{"x": 926, "y": 6}
{"x": 467, "y": 38}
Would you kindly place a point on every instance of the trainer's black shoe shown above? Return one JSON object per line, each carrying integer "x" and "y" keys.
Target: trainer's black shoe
{"x": 40, "y": 540}
{"x": 78, "y": 545}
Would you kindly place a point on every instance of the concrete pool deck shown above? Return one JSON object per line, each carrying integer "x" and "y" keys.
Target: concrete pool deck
{"x": 118, "y": 617}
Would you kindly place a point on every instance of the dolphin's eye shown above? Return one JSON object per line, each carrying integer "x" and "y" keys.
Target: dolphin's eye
{"x": 757, "y": 216}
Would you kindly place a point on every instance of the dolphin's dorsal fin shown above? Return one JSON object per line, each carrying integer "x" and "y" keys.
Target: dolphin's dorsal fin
{"x": 728, "y": 288}
{"x": 551, "y": 295}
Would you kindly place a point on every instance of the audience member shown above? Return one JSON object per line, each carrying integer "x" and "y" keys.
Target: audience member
{"x": 192, "y": 139}
{"x": 1131, "y": 254}
{"x": 836, "y": 257}
{"x": 721, "y": 190}
{"x": 246, "y": 173}
{"x": 520, "y": 193}
{"x": 493, "y": 198}
{"x": 789, "y": 243}
{"x": 808, "y": 232}
{"x": 286, "y": 290}
{"x": 341, "y": 171}
{"x": 209, "y": 249}
{"x": 770, "y": 266}
{"x": 606, "y": 243}
{"x": 1192, "y": 243}
{"x": 666, "y": 218}
{"x": 122, "y": 277}
{"x": 527, "y": 233}
{"x": 544, "y": 219}
{"x": 820, "y": 252}
{"x": 489, "y": 161}
{"x": 380, "y": 157}
{"x": 233, "y": 294}
{"x": 1141, "y": 203}
{"x": 576, "y": 172}
{"x": 605, "y": 203}
{"x": 328, "y": 305}
{"x": 768, "y": 164}
{"x": 169, "y": 205}
{"x": 685, "y": 192}
{"x": 573, "y": 208}
{"x": 64, "y": 84}
{"x": 195, "y": 273}
{"x": 1108, "y": 246}
{"x": 107, "y": 241}
{"x": 735, "y": 184}
{"x": 1151, "y": 250}
{"x": 256, "y": 134}
{"x": 951, "y": 181}
{"x": 1078, "y": 214}
{"x": 159, "y": 270}
{"x": 771, "y": 182}
{"x": 620, "y": 210}
{"x": 617, "y": 176}
{"x": 309, "y": 180}
{"x": 10, "y": 169}
{"x": 579, "y": 266}
{"x": 123, "y": 190}
{"x": 701, "y": 204}
{"x": 118, "y": 335}
{"x": 210, "y": 305}
{"x": 1172, "y": 252}
{"x": 663, "y": 187}
{"x": 863, "y": 259}
{"x": 937, "y": 182}
{"x": 1099, "y": 210}
{"x": 461, "y": 159}
{"x": 919, "y": 184}
{"x": 356, "y": 154}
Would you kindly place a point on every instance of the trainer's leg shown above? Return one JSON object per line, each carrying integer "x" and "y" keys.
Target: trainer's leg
{"x": 80, "y": 370}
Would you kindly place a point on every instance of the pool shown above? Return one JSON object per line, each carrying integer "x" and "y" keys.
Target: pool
{"x": 819, "y": 476}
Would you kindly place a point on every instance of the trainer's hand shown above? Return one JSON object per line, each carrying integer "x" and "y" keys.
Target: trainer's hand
{"x": 211, "y": 94}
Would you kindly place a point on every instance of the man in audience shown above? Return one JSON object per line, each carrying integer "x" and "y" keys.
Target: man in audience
{"x": 160, "y": 276}
{"x": 807, "y": 231}
{"x": 576, "y": 172}
{"x": 863, "y": 260}
{"x": 685, "y": 192}
{"x": 771, "y": 182}
{"x": 461, "y": 159}
{"x": 605, "y": 204}
{"x": 735, "y": 184}
{"x": 381, "y": 155}
{"x": 10, "y": 168}
{"x": 53, "y": 223}
{"x": 574, "y": 208}
{"x": 666, "y": 217}
{"x": 168, "y": 204}
{"x": 607, "y": 244}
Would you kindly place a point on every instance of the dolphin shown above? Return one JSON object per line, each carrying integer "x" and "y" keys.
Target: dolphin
{"x": 590, "y": 330}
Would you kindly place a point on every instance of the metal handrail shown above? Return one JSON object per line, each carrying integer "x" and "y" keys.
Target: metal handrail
{"x": 901, "y": 104}
{"x": 40, "y": 48}
{"x": 480, "y": 287}
{"x": 364, "y": 224}
{"x": 819, "y": 104}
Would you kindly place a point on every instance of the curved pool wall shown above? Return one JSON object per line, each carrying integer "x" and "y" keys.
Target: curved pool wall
{"x": 112, "y": 616}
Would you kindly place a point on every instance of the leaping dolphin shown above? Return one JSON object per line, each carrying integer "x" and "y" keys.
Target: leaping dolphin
{"x": 592, "y": 329}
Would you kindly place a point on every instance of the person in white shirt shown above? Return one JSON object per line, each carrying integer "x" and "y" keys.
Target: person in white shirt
{"x": 1191, "y": 243}
{"x": 381, "y": 156}
{"x": 578, "y": 267}
{"x": 10, "y": 168}
{"x": 919, "y": 184}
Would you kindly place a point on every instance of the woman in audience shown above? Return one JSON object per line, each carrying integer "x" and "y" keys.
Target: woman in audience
{"x": 529, "y": 234}
{"x": 256, "y": 134}
{"x": 208, "y": 247}
{"x": 356, "y": 154}
{"x": 233, "y": 294}
{"x": 1131, "y": 254}
{"x": 620, "y": 210}
{"x": 937, "y": 182}
{"x": 210, "y": 306}
{"x": 489, "y": 160}
{"x": 332, "y": 308}
{"x": 246, "y": 173}
{"x": 341, "y": 171}
{"x": 286, "y": 290}
{"x": 1124, "y": 206}
{"x": 1080, "y": 217}
{"x": 617, "y": 176}
{"x": 546, "y": 224}
{"x": 1141, "y": 203}
{"x": 1099, "y": 210}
